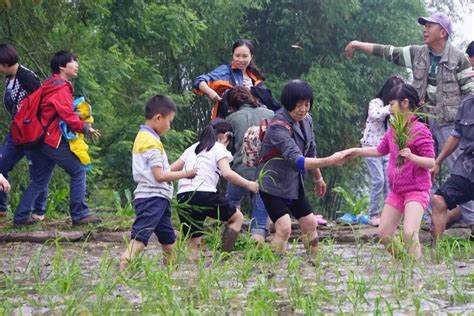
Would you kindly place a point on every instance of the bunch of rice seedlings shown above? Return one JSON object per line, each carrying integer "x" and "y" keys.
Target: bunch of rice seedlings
{"x": 401, "y": 125}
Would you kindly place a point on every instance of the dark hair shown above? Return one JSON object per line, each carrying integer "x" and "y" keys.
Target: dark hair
{"x": 252, "y": 66}
{"x": 8, "y": 55}
{"x": 296, "y": 90}
{"x": 238, "y": 96}
{"x": 470, "y": 49}
{"x": 391, "y": 82}
{"x": 159, "y": 104}
{"x": 60, "y": 59}
{"x": 406, "y": 91}
{"x": 208, "y": 136}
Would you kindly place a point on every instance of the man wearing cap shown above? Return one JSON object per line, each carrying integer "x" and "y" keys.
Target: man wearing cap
{"x": 442, "y": 76}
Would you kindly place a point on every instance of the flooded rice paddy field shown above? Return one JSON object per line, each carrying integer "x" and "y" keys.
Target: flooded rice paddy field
{"x": 82, "y": 278}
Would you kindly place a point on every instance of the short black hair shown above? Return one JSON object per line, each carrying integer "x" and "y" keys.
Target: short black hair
{"x": 470, "y": 49}
{"x": 296, "y": 90}
{"x": 159, "y": 104}
{"x": 60, "y": 59}
{"x": 8, "y": 55}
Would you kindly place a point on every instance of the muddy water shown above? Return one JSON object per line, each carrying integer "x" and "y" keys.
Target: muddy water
{"x": 349, "y": 278}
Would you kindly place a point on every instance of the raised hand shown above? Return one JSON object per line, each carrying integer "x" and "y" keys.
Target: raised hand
{"x": 350, "y": 48}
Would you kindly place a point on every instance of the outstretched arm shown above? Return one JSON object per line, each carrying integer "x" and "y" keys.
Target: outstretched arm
{"x": 234, "y": 178}
{"x": 367, "y": 48}
{"x": 167, "y": 176}
{"x": 402, "y": 56}
{"x": 361, "y": 152}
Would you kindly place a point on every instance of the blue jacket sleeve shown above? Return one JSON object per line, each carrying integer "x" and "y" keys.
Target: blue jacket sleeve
{"x": 220, "y": 73}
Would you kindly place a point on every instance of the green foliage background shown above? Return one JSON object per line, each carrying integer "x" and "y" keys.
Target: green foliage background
{"x": 131, "y": 49}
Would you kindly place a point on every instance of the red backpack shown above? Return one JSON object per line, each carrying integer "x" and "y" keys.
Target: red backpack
{"x": 26, "y": 128}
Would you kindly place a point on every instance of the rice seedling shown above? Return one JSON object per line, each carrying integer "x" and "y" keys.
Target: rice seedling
{"x": 401, "y": 125}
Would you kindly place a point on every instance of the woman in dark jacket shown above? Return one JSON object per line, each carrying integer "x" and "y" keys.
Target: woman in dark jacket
{"x": 292, "y": 146}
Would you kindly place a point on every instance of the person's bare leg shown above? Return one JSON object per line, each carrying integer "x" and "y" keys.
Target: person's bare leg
{"x": 309, "y": 233}
{"x": 236, "y": 220}
{"x": 389, "y": 220}
{"x": 194, "y": 248}
{"x": 454, "y": 215}
{"x": 282, "y": 233}
{"x": 169, "y": 256}
{"x": 133, "y": 250}
{"x": 411, "y": 228}
{"x": 439, "y": 216}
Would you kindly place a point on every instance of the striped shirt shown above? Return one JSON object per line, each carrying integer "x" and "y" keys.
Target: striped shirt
{"x": 148, "y": 152}
{"x": 404, "y": 56}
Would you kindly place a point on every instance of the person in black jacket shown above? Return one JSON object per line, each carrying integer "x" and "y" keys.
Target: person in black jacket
{"x": 19, "y": 83}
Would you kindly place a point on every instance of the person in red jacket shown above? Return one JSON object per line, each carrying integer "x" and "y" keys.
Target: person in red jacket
{"x": 56, "y": 106}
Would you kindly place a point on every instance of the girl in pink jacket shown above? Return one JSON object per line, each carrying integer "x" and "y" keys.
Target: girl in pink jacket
{"x": 410, "y": 181}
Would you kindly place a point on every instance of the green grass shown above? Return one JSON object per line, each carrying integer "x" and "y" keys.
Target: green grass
{"x": 65, "y": 278}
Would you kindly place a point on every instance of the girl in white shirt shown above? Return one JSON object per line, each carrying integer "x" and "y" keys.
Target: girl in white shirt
{"x": 376, "y": 117}
{"x": 198, "y": 197}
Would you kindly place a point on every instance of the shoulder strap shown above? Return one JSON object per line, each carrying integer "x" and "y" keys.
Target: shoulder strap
{"x": 280, "y": 123}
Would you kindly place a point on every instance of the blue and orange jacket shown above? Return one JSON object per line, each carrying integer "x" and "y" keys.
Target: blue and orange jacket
{"x": 223, "y": 78}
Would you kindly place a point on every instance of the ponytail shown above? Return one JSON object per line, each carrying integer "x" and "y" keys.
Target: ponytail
{"x": 207, "y": 139}
{"x": 208, "y": 136}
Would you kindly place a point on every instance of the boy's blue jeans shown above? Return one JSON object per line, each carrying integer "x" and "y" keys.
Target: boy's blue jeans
{"x": 10, "y": 155}
{"x": 258, "y": 224}
{"x": 44, "y": 158}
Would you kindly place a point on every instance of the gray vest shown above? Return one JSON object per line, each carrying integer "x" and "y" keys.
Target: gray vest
{"x": 448, "y": 91}
{"x": 464, "y": 125}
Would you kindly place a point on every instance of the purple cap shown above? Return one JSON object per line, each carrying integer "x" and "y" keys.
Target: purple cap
{"x": 439, "y": 18}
